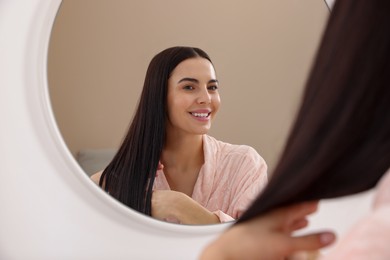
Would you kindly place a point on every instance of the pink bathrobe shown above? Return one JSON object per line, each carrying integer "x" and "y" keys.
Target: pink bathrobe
{"x": 369, "y": 239}
{"x": 229, "y": 180}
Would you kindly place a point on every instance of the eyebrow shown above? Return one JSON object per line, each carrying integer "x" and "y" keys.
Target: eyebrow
{"x": 197, "y": 81}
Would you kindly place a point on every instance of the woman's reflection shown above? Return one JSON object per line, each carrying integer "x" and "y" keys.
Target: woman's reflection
{"x": 167, "y": 166}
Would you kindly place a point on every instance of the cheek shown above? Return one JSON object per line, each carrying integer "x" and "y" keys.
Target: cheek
{"x": 175, "y": 108}
{"x": 182, "y": 103}
{"x": 216, "y": 103}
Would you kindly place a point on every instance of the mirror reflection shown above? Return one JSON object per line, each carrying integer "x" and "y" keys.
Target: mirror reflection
{"x": 99, "y": 53}
{"x": 168, "y": 166}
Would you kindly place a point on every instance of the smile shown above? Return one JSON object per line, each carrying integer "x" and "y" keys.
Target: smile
{"x": 201, "y": 115}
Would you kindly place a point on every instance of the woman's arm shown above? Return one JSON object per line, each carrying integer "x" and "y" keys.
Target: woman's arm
{"x": 178, "y": 207}
{"x": 96, "y": 177}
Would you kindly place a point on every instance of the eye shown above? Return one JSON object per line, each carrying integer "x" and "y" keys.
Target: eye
{"x": 188, "y": 87}
{"x": 213, "y": 87}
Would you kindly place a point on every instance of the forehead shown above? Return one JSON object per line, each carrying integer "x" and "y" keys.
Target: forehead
{"x": 194, "y": 67}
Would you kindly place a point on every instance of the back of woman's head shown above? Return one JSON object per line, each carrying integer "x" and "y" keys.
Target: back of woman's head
{"x": 340, "y": 141}
{"x": 130, "y": 175}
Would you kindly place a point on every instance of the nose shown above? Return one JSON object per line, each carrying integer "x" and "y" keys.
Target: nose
{"x": 204, "y": 97}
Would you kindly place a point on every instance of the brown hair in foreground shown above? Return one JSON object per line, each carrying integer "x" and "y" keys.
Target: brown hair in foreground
{"x": 340, "y": 141}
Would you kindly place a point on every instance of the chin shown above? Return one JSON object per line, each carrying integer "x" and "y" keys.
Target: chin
{"x": 199, "y": 131}
{"x": 204, "y": 131}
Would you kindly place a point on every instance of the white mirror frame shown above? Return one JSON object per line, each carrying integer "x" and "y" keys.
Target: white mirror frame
{"x": 49, "y": 207}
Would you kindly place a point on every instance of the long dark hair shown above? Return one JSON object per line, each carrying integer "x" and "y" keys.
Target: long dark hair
{"x": 340, "y": 141}
{"x": 130, "y": 175}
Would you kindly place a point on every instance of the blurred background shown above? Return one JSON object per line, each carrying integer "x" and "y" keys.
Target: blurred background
{"x": 262, "y": 51}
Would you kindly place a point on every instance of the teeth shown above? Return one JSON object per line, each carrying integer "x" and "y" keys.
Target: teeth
{"x": 200, "y": 114}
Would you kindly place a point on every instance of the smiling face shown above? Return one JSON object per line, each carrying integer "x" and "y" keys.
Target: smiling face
{"x": 193, "y": 99}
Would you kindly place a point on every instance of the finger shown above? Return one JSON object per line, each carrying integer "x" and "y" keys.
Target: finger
{"x": 160, "y": 166}
{"x": 301, "y": 210}
{"x": 172, "y": 220}
{"x": 285, "y": 217}
{"x": 311, "y": 241}
{"x": 305, "y": 255}
{"x": 299, "y": 224}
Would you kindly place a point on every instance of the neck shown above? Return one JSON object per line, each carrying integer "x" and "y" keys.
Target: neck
{"x": 183, "y": 151}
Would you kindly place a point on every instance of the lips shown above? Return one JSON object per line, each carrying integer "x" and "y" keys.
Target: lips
{"x": 200, "y": 115}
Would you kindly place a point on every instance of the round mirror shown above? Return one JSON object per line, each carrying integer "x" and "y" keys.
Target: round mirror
{"x": 99, "y": 52}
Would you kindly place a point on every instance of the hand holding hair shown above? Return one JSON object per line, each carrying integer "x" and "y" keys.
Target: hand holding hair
{"x": 269, "y": 236}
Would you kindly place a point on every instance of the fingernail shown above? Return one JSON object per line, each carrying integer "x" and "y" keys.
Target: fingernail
{"x": 327, "y": 238}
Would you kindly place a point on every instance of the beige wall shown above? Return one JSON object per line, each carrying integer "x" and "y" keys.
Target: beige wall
{"x": 262, "y": 51}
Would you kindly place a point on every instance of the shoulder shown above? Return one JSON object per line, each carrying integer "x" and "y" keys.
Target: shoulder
{"x": 372, "y": 231}
{"x": 235, "y": 152}
{"x": 383, "y": 191}
{"x": 96, "y": 177}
